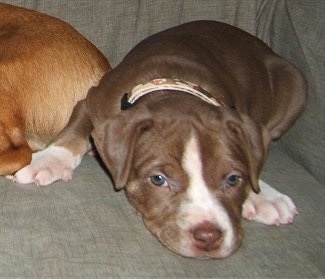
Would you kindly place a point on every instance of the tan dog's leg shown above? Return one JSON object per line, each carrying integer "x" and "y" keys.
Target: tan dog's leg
{"x": 15, "y": 152}
{"x": 63, "y": 155}
{"x": 269, "y": 207}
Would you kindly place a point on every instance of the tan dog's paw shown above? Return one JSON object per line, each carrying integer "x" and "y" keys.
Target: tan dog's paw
{"x": 269, "y": 207}
{"x": 47, "y": 166}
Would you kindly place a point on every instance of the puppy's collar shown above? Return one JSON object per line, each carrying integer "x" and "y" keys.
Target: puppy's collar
{"x": 167, "y": 84}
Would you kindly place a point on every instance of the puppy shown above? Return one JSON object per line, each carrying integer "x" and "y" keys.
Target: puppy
{"x": 46, "y": 67}
{"x": 184, "y": 124}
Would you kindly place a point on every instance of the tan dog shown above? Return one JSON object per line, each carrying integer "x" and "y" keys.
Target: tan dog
{"x": 46, "y": 67}
{"x": 189, "y": 139}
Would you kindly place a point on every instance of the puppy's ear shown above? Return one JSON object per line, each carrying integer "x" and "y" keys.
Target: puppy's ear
{"x": 115, "y": 140}
{"x": 254, "y": 141}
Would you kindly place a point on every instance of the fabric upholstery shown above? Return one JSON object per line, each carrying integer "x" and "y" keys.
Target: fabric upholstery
{"x": 295, "y": 30}
{"x": 84, "y": 229}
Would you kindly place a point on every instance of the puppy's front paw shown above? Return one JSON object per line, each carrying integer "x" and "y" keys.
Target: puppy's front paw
{"x": 47, "y": 166}
{"x": 269, "y": 207}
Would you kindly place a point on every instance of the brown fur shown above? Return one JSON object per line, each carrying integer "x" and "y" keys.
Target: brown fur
{"x": 46, "y": 67}
{"x": 263, "y": 94}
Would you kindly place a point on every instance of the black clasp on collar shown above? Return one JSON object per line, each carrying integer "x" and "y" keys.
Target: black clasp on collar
{"x": 125, "y": 104}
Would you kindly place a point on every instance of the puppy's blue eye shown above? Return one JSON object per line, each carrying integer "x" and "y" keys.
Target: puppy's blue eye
{"x": 232, "y": 180}
{"x": 158, "y": 180}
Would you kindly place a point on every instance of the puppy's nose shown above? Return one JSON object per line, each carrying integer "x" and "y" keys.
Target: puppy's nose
{"x": 206, "y": 236}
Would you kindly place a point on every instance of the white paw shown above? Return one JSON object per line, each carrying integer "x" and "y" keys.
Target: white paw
{"x": 269, "y": 207}
{"x": 47, "y": 166}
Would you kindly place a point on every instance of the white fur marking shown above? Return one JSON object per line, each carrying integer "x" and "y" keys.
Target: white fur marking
{"x": 269, "y": 207}
{"x": 200, "y": 204}
{"x": 47, "y": 166}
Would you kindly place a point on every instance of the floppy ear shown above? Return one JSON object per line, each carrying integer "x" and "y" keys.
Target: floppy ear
{"x": 115, "y": 140}
{"x": 254, "y": 141}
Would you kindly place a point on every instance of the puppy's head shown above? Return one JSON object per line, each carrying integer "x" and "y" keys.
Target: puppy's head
{"x": 187, "y": 172}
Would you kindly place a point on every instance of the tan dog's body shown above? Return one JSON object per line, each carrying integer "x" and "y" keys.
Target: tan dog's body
{"x": 189, "y": 164}
{"x": 46, "y": 67}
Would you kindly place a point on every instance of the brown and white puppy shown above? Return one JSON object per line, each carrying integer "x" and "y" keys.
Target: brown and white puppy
{"x": 189, "y": 139}
{"x": 46, "y": 67}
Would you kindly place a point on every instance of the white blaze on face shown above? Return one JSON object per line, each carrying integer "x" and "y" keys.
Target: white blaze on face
{"x": 200, "y": 204}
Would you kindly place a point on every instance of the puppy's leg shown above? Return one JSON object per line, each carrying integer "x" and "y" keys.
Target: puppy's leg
{"x": 269, "y": 207}
{"x": 15, "y": 152}
{"x": 63, "y": 155}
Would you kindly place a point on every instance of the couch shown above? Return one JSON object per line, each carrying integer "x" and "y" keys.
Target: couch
{"x": 85, "y": 229}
